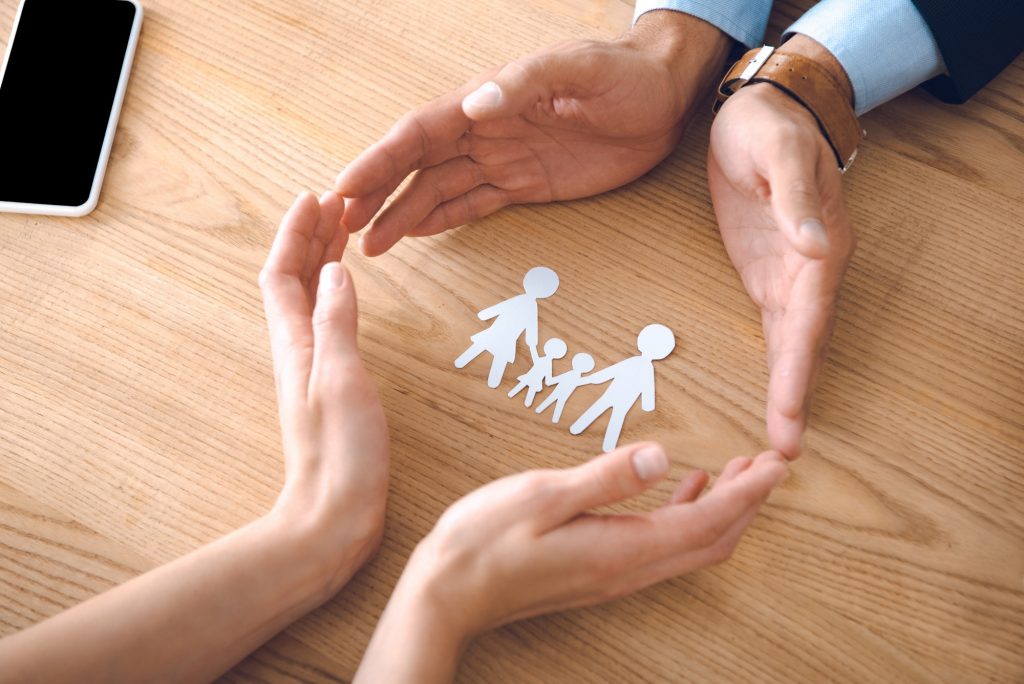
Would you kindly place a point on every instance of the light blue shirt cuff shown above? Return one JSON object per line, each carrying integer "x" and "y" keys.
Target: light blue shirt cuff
{"x": 885, "y": 46}
{"x": 744, "y": 20}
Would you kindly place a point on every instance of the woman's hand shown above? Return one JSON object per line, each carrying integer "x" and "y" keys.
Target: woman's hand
{"x": 192, "y": 619}
{"x": 779, "y": 201}
{"x": 527, "y": 545}
{"x": 569, "y": 121}
{"x": 332, "y": 424}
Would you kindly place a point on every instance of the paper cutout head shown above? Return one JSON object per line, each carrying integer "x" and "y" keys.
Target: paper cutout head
{"x": 555, "y": 348}
{"x": 656, "y": 342}
{"x": 540, "y": 282}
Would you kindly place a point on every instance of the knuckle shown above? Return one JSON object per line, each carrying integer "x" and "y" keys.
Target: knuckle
{"x": 471, "y": 208}
{"x": 267, "y": 279}
{"x": 608, "y": 483}
{"x": 464, "y": 144}
{"x": 722, "y": 553}
{"x": 474, "y": 174}
{"x": 438, "y": 195}
{"x": 325, "y": 314}
{"x": 444, "y": 215}
{"x": 707, "y": 535}
{"x": 802, "y": 187}
{"x": 522, "y": 68}
{"x": 535, "y": 486}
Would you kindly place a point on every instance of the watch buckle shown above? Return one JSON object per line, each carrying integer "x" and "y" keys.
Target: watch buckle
{"x": 755, "y": 64}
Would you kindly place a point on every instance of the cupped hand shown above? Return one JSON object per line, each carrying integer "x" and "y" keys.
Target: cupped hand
{"x": 778, "y": 197}
{"x": 530, "y": 544}
{"x": 332, "y": 423}
{"x": 569, "y": 121}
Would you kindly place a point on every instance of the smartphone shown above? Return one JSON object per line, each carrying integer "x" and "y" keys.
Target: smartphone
{"x": 62, "y": 83}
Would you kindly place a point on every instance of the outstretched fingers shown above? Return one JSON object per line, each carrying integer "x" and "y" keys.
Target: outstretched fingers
{"x": 328, "y": 241}
{"x": 708, "y": 524}
{"x": 429, "y": 189}
{"x": 285, "y": 297}
{"x": 336, "y": 351}
{"x": 689, "y": 488}
{"x": 714, "y": 514}
{"x": 287, "y": 255}
{"x": 475, "y": 204}
{"x": 796, "y": 350}
{"x": 679, "y": 538}
{"x": 426, "y": 136}
{"x": 607, "y": 479}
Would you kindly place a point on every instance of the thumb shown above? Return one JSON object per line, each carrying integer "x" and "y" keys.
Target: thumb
{"x": 609, "y": 478}
{"x": 334, "y": 319}
{"x": 796, "y": 202}
{"x": 516, "y": 87}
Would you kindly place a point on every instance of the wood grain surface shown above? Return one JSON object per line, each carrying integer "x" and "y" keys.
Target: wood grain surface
{"x": 137, "y": 414}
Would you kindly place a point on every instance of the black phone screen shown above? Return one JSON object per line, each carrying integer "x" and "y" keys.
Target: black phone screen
{"x": 56, "y": 97}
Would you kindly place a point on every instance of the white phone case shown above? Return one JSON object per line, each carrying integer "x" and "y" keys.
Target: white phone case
{"x": 108, "y": 138}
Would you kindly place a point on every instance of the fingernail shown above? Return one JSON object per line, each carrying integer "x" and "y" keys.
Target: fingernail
{"x": 650, "y": 463}
{"x": 486, "y": 96}
{"x": 814, "y": 229}
{"x": 332, "y": 277}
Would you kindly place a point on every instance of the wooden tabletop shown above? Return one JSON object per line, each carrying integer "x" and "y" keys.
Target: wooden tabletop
{"x": 137, "y": 413}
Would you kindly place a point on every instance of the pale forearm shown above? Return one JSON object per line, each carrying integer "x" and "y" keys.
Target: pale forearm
{"x": 189, "y": 620}
{"x": 412, "y": 643}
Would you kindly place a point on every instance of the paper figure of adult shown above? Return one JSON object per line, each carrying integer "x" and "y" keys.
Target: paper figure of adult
{"x": 512, "y": 317}
{"x": 631, "y": 379}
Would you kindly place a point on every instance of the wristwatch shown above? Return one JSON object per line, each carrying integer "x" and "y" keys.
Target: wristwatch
{"x": 808, "y": 83}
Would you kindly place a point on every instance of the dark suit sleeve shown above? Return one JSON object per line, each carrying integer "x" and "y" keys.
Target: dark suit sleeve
{"x": 977, "y": 38}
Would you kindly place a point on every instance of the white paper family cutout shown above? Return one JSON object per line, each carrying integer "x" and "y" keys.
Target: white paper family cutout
{"x": 629, "y": 380}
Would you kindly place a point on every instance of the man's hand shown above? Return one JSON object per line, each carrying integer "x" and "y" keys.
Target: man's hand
{"x": 569, "y": 121}
{"x": 779, "y": 201}
{"x": 528, "y": 544}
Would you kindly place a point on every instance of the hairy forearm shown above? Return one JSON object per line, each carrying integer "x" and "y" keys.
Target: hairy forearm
{"x": 687, "y": 45}
{"x": 189, "y": 620}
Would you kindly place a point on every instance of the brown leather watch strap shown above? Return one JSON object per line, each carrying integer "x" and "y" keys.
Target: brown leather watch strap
{"x": 808, "y": 83}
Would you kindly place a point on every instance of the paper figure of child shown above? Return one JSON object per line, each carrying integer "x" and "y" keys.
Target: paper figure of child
{"x": 631, "y": 379}
{"x": 534, "y": 379}
{"x": 512, "y": 317}
{"x": 566, "y": 383}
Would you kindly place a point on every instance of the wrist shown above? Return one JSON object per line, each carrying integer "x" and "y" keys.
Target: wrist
{"x": 807, "y": 47}
{"x": 333, "y": 542}
{"x": 691, "y": 49}
{"x": 812, "y": 77}
{"x": 415, "y": 640}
